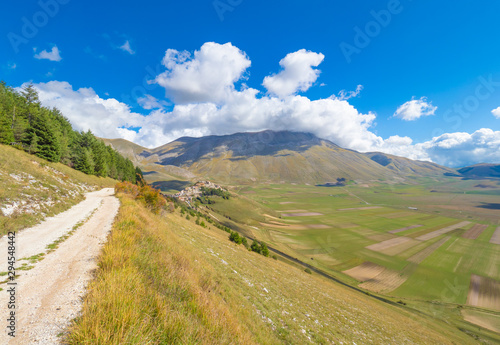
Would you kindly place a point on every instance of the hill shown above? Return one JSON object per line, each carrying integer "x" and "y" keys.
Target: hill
{"x": 32, "y": 188}
{"x": 270, "y": 156}
{"x": 481, "y": 171}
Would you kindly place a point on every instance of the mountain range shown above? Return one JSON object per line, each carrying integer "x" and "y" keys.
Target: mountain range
{"x": 269, "y": 156}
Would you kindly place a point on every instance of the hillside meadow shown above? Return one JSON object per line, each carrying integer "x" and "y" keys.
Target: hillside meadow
{"x": 163, "y": 279}
{"x": 32, "y": 188}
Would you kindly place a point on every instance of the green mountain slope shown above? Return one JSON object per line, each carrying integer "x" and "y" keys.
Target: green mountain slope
{"x": 272, "y": 156}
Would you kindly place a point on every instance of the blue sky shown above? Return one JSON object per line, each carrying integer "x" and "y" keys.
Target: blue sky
{"x": 429, "y": 72}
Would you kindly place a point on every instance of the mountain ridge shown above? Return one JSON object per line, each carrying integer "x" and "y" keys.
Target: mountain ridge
{"x": 273, "y": 156}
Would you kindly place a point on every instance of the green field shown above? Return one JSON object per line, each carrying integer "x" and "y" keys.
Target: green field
{"x": 420, "y": 268}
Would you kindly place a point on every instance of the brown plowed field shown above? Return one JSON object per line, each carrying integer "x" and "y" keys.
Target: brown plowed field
{"x": 475, "y": 231}
{"x": 386, "y": 281}
{"x": 365, "y": 271}
{"x": 495, "y": 239}
{"x": 378, "y": 247}
{"x": 484, "y": 292}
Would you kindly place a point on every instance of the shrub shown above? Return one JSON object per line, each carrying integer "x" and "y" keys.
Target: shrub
{"x": 255, "y": 247}
{"x": 152, "y": 199}
{"x": 127, "y": 188}
{"x": 245, "y": 243}
{"x": 264, "y": 249}
{"x": 149, "y": 196}
{"x": 235, "y": 237}
{"x": 308, "y": 271}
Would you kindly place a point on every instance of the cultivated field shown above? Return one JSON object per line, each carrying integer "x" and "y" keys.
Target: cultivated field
{"x": 484, "y": 292}
{"x": 383, "y": 239}
{"x": 495, "y": 239}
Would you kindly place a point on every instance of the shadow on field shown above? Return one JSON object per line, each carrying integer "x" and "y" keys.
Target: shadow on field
{"x": 490, "y": 206}
{"x": 171, "y": 185}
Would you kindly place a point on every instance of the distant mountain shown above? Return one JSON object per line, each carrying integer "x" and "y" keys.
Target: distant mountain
{"x": 479, "y": 171}
{"x": 274, "y": 157}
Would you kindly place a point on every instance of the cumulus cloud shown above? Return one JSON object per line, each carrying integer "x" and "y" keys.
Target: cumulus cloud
{"x": 126, "y": 48}
{"x": 297, "y": 73}
{"x": 208, "y": 106}
{"x": 208, "y": 76}
{"x": 496, "y": 112}
{"x": 106, "y": 118}
{"x": 415, "y": 109}
{"x": 462, "y": 149}
{"x": 53, "y": 55}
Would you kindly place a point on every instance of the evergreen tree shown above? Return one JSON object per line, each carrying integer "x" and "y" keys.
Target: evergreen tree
{"x": 47, "y": 143}
{"x": 6, "y": 132}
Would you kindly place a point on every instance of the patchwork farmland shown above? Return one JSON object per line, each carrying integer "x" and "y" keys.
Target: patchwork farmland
{"x": 390, "y": 247}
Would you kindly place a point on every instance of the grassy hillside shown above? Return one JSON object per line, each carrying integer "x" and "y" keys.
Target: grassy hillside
{"x": 165, "y": 280}
{"x": 32, "y": 188}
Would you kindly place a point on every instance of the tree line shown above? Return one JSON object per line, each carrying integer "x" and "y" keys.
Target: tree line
{"x": 46, "y": 133}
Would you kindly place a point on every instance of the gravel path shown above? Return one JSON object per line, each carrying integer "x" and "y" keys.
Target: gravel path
{"x": 49, "y": 296}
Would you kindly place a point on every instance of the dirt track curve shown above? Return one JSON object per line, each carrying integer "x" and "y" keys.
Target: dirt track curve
{"x": 48, "y": 296}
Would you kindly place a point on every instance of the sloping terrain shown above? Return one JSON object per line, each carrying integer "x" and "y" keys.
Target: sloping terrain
{"x": 32, "y": 188}
{"x": 480, "y": 171}
{"x": 271, "y": 156}
{"x": 165, "y": 280}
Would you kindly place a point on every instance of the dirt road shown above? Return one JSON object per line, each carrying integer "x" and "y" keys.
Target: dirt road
{"x": 48, "y": 296}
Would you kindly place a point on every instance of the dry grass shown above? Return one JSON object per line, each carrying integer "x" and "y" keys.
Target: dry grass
{"x": 149, "y": 290}
{"x": 164, "y": 280}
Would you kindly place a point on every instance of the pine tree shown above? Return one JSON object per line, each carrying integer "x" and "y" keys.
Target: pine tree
{"x": 33, "y": 148}
{"x": 48, "y": 144}
{"x": 6, "y": 133}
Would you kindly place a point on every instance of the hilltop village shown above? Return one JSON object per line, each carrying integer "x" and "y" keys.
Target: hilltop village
{"x": 196, "y": 191}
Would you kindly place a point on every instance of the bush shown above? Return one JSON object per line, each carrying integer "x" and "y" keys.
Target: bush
{"x": 255, "y": 247}
{"x": 235, "y": 237}
{"x": 264, "y": 249}
{"x": 149, "y": 196}
{"x": 308, "y": 271}
{"x": 127, "y": 188}
{"x": 245, "y": 243}
{"x": 152, "y": 199}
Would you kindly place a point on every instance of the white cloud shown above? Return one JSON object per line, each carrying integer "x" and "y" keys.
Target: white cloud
{"x": 496, "y": 112}
{"x": 126, "y": 47}
{"x": 208, "y": 76}
{"x": 225, "y": 110}
{"x": 297, "y": 74}
{"x": 149, "y": 102}
{"x": 462, "y": 149}
{"x": 53, "y": 55}
{"x": 345, "y": 95}
{"x": 414, "y": 109}
{"x": 106, "y": 118}
{"x": 12, "y": 65}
